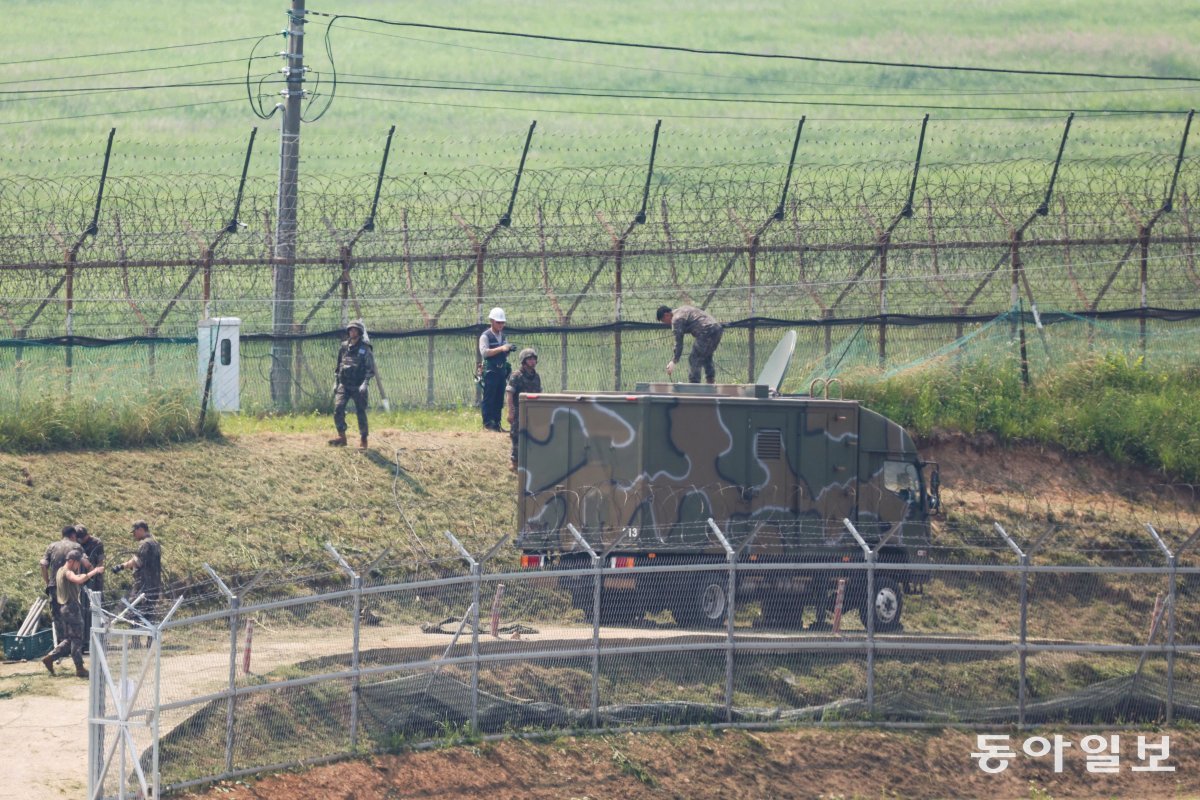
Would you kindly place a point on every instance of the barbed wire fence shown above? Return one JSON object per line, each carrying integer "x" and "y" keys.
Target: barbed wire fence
{"x": 106, "y": 274}
{"x": 1014, "y": 627}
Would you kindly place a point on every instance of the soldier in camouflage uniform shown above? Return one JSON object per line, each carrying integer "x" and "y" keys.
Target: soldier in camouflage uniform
{"x": 147, "y": 570}
{"x": 68, "y": 582}
{"x": 93, "y": 552}
{"x": 355, "y": 368}
{"x": 523, "y": 381}
{"x": 707, "y": 332}
{"x": 51, "y": 563}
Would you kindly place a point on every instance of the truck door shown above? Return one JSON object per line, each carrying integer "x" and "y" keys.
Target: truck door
{"x": 827, "y": 483}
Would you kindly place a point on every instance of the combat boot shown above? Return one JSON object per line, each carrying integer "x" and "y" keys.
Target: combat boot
{"x": 362, "y": 444}
{"x": 81, "y": 672}
{"x": 48, "y": 663}
{"x": 338, "y": 441}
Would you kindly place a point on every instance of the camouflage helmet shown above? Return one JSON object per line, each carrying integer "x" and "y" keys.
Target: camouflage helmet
{"x": 357, "y": 323}
{"x": 528, "y": 352}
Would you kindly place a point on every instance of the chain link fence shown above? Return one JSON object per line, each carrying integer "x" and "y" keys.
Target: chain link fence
{"x": 254, "y": 674}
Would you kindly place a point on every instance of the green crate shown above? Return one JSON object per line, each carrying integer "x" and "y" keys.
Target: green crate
{"x": 24, "y": 648}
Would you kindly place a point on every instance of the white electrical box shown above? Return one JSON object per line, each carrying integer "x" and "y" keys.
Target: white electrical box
{"x": 218, "y": 340}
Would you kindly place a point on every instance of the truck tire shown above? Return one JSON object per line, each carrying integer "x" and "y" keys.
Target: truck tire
{"x": 888, "y": 605}
{"x": 705, "y": 605}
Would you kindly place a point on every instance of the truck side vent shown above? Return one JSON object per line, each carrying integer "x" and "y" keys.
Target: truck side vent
{"x": 768, "y": 443}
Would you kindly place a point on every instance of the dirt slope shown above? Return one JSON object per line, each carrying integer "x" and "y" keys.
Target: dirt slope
{"x": 253, "y": 499}
{"x": 784, "y": 764}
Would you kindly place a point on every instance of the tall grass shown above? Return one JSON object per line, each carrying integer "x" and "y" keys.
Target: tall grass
{"x": 1113, "y": 404}
{"x": 70, "y": 423}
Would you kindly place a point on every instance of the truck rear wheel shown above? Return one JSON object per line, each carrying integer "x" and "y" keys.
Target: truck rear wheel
{"x": 887, "y": 604}
{"x": 705, "y": 605}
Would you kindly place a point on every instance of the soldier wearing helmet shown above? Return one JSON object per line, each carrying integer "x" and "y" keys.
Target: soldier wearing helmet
{"x": 354, "y": 370}
{"x": 494, "y": 350}
{"x": 524, "y": 381}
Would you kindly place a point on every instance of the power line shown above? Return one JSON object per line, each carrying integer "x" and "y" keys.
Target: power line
{"x": 126, "y": 52}
{"x": 612, "y": 94}
{"x": 658, "y": 115}
{"x": 750, "y": 54}
{"x": 126, "y": 111}
{"x": 129, "y": 71}
{"x": 684, "y": 92}
{"x": 67, "y": 92}
{"x": 603, "y": 93}
{"x": 748, "y": 78}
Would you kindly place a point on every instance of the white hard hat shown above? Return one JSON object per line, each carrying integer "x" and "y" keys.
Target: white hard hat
{"x": 497, "y": 315}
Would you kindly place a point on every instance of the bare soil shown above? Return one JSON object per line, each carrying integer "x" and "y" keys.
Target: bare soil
{"x": 780, "y": 764}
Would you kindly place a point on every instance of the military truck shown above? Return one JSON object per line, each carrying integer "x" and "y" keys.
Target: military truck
{"x": 640, "y": 474}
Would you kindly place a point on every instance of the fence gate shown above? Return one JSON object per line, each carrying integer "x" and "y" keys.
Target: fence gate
{"x": 122, "y": 703}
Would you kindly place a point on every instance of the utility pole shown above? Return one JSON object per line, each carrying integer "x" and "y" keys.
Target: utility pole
{"x": 283, "y": 304}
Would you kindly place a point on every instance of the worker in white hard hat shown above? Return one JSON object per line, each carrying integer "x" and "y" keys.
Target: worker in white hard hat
{"x": 494, "y": 350}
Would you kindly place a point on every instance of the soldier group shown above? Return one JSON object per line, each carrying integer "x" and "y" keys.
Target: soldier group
{"x": 76, "y": 561}
{"x": 355, "y": 367}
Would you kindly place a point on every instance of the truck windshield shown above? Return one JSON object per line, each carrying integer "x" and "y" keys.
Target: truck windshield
{"x": 901, "y": 476}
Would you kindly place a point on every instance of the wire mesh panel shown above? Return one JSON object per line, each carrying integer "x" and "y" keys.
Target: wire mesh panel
{"x": 274, "y": 678}
{"x": 290, "y": 724}
{"x": 1086, "y": 606}
{"x": 1091, "y": 689}
{"x": 953, "y": 683}
{"x": 682, "y": 686}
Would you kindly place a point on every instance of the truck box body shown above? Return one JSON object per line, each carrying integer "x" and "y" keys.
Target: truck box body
{"x": 641, "y": 473}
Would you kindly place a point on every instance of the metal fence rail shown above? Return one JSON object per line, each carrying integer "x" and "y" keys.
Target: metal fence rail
{"x": 1003, "y": 634}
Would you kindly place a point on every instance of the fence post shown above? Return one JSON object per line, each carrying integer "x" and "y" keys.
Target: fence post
{"x": 1144, "y": 233}
{"x": 618, "y": 262}
{"x": 1171, "y": 620}
{"x": 96, "y": 705}
{"x": 869, "y": 604}
{"x": 230, "y": 708}
{"x": 882, "y": 240}
{"x": 1173, "y": 566}
{"x": 476, "y": 578}
{"x": 356, "y": 585}
{"x": 1021, "y": 654}
{"x": 731, "y": 559}
{"x": 596, "y": 578}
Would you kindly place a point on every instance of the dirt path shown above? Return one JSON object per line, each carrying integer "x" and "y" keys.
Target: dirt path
{"x": 43, "y": 734}
{"x": 45, "y": 719}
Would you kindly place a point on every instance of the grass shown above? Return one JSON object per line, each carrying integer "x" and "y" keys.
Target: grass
{"x": 1145, "y": 36}
{"x": 78, "y": 422}
{"x": 408, "y": 420}
{"x": 1116, "y": 405}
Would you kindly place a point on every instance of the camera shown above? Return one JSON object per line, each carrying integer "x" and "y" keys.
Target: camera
{"x": 117, "y": 567}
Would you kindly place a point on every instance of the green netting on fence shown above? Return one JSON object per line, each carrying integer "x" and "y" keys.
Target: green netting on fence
{"x": 55, "y": 393}
{"x": 55, "y": 396}
{"x": 1049, "y": 341}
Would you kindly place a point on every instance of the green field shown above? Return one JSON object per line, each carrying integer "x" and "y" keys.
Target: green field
{"x": 441, "y": 129}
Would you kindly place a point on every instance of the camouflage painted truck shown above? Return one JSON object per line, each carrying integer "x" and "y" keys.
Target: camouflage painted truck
{"x": 639, "y": 475}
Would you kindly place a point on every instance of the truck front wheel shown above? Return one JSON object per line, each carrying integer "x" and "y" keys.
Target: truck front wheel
{"x": 888, "y": 604}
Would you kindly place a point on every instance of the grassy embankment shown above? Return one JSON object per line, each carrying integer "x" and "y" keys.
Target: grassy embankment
{"x": 1111, "y": 406}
